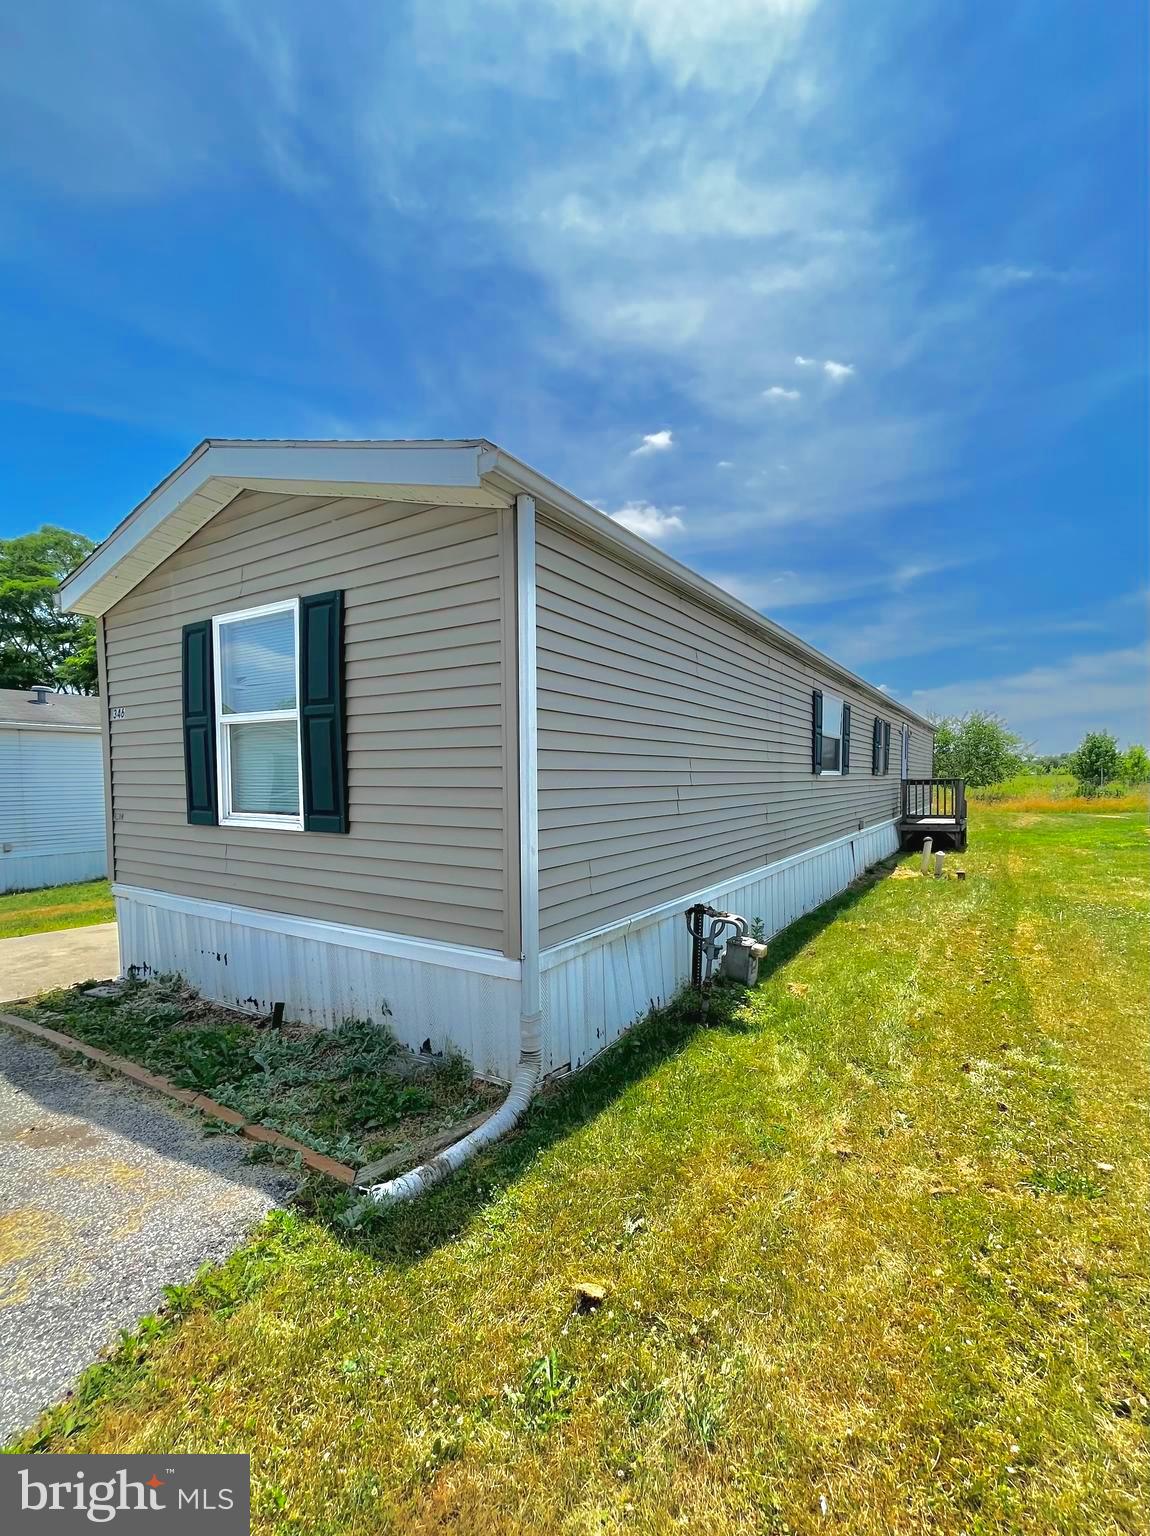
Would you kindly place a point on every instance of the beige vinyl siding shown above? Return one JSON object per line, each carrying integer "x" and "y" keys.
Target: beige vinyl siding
{"x": 429, "y": 636}
{"x": 675, "y": 746}
{"x": 921, "y": 753}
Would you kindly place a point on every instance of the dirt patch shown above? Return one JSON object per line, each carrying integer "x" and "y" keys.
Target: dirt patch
{"x": 53, "y": 1136}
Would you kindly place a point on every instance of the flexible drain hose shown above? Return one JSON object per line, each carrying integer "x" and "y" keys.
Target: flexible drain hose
{"x": 408, "y": 1185}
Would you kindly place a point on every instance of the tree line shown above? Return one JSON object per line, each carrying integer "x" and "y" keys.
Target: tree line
{"x": 982, "y": 749}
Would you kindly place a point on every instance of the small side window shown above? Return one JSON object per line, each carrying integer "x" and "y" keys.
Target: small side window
{"x": 832, "y": 736}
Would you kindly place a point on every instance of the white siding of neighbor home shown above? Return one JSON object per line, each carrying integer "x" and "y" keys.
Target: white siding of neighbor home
{"x": 675, "y": 745}
{"x": 429, "y": 631}
{"x": 51, "y": 808}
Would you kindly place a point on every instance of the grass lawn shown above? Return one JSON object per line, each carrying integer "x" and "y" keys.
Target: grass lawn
{"x": 874, "y": 1249}
{"x": 58, "y": 906}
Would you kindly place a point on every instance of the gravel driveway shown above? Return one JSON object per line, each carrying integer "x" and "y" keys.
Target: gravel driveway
{"x": 106, "y": 1196}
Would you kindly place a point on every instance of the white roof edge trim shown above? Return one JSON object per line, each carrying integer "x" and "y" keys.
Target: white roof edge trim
{"x": 547, "y": 491}
{"x": 231, "y": 464}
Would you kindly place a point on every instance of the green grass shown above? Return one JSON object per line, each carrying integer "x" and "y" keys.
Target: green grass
{"x": 342, "y": 1092}
{"x": 1059, "y": 792}
{"x": 874, "y": 1249}
{"x": 58, "y": 906}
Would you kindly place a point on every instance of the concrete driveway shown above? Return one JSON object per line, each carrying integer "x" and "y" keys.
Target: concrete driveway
{"x": 40, "y": 961}
{"x": 106, "y": 1196}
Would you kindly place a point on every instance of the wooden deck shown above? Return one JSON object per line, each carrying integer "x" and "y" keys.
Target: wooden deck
{"x": 933, "y": 808}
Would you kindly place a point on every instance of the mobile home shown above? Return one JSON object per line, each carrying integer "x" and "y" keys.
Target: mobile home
{"x": 406, "y": 730}
{"x": 52, "y": 827}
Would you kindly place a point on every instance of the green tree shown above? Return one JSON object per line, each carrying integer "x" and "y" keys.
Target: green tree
{"x": 1095, "y": 761}
{"x": 38, "y": 643}
{"x": 1134, "y": 766}
{"x": 977, "y": 747}
{"x": 1050, "y": 762}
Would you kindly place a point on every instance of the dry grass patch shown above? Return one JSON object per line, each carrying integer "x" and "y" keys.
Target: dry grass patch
{"x": 864, "y": 1269}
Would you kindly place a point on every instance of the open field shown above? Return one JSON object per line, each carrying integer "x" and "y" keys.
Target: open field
{"x": 1059, "y": 792}
{"x": 58, "y": 906}
{"x": 874, "y": 1248}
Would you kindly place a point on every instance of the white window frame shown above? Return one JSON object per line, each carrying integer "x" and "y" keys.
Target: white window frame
{"x": 268, "y": 820}
{"x": 833, "y": 773}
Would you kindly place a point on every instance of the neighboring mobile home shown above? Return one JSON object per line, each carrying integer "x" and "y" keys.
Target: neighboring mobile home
{"x": 51, "y": 789}
{"x": 407, "y": 729}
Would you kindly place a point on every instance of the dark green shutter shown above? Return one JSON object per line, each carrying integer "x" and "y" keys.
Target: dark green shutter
{"x": 876, "y": 747}
{"x": 886, "y": 746}
{"x": 199, "y": 724}
{"x": 817, "y": 731}
{"x": 846, "y": 750}
{"x": 321, "y": 714}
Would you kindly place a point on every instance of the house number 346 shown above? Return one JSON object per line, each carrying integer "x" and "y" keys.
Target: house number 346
{"x": 117, "y": 712}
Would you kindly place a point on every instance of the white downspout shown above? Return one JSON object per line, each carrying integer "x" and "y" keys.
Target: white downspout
{"x": 527, "y": 1074}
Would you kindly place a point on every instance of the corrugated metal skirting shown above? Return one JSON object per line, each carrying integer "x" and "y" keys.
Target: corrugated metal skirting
{"x": 596, "y": 989}
{"x": 37, "y": 870}
{"x": 323, "y": 983}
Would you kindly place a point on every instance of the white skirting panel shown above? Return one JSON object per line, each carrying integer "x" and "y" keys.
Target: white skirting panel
{"x": 33, "y": 871}
{"x": 595, "y": 988}
{"x": 323, "y": 976}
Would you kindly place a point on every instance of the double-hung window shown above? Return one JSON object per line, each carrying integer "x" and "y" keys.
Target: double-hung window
{"x": 832, "y": 760}
{"x": 257, "y": 692}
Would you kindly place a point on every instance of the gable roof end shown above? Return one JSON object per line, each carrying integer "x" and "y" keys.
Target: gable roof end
{"x": 219, "y": 469}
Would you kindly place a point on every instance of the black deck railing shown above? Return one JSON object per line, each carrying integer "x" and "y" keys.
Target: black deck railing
{"x": 923, "y": 798}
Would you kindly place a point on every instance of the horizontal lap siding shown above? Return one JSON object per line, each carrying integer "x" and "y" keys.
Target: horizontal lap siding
{"x": 921, "y": 753}
{"x": 51, "y": 808}
{"x": 674, "y": 746}
{"x": 429, "y": 594}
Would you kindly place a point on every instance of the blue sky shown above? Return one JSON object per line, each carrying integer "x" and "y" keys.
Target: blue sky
{"x": 844, "y": 305}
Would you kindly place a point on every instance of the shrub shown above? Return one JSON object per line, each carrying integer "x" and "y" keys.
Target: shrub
{"x": 1095, "y": 762}
{"x": 977, "y": 747}
{"x": 1134, "y": 767}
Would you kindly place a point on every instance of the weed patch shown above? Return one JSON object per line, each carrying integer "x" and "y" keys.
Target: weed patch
{"x": 346, "y": 1092}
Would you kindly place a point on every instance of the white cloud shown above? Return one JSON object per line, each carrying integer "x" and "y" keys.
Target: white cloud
{"x": 732, "y": 45}
{"x": 837, "y": 371}
{"x": 725, "y": 464}
{"x": 1006, "y": 275}
{"x": 777, "y": 392}
{"x": 794, "y": 589}
{"x": 678, "y": 252}
{"x": 1054, "y": 706}
{"x": 648, "y": 521}
{"x": 787, "y": 589}
{"x": 653, "y": 442}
